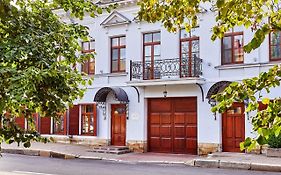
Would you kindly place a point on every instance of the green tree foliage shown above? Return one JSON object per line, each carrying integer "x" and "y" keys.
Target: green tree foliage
{"x": 274, "y": 141}
{"x": 262, "y": 17}
{"x": 265, "y": 121}
{"x": 38, "y": 53}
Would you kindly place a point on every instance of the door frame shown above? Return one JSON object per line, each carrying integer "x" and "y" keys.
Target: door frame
{"x": 112, "y": 123}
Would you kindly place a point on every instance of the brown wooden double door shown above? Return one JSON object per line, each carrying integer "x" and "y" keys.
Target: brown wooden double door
{"x": 172, "y": 125}
{"x": 233, "y": 128}
{"x": 118, "y": 124}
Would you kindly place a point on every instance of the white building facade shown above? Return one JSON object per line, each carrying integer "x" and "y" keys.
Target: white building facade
{"x": 150, "y": 86}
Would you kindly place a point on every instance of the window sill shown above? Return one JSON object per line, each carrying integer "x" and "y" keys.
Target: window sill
{"x": 59, "y": 133}
{"x": 85, "y": 134}
{"x": 246, "y": 65}
{"x": 88, "y": 76}
{"x": 68, "y": 136}
{"x": 116, "y": 74}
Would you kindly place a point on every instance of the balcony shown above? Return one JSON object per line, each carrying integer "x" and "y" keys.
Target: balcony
{"x": 174, "y": 69}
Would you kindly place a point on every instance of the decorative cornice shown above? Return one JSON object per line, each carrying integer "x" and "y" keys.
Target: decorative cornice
{"x": 118, "y": 2}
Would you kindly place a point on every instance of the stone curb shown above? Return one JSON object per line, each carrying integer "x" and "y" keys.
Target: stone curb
{"x": 205, "y": 163}
{"x": 42, "y": 153}
{"x": 53, "y": 154}
{"x": 236, "y": 165}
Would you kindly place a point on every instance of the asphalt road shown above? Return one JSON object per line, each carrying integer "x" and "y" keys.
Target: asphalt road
{"x": 28, "y": 165}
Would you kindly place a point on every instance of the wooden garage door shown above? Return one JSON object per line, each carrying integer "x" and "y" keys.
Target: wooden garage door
{"x": 172, "y": 125}
{"x": 233, "y": 128}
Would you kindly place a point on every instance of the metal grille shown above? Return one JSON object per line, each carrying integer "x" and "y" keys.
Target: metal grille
{"x": 166, "y": 68}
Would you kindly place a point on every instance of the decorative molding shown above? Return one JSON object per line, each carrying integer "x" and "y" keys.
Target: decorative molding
{"x": 121, "y": 3}
{"x": 117, "y": 74}
{"x": 246, "y": 65}
{"x": 115, "y": 18}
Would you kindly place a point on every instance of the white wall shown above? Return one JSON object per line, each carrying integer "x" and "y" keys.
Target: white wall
{"x": 209, "y": 130}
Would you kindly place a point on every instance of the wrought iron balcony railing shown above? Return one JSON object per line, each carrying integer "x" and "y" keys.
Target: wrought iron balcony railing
{"x": 166, "y": 68}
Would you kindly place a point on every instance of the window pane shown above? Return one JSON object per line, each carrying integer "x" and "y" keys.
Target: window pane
{"x": 92, "y": 68}
{"x": 147, "y": 58}
{"x": 122, "y": 64}
{"x": 236, "y": 110}
{"x": 92, "y": 45}
{"x": 148, "y": 37}
{"x": 123, "y": 53}
{"x": 114, "y": 41}
{"x": 83, "y": 108}
{"x": 59, "y": 124}
{"x": 238, "y": 48}
{"x": 85, "y": 46}
{"x": 184, "y": 48}
{"x": 85, "y": 124}
{"x": 238, "y": 55}
{"x": 275, "y": 38}
{"x": 275, "y": 45}
{"x": 184, "y": 34}
{"x": 114, "y": 54}
{"x": 114, "y": 65}
{"x": 147, "y": 51}
{"x": 275, "y": 52}
{"x": 185, "y": 56}
{"x": 195, "y": 48}
{"x": 91, "y": 127}
{"x": 227, "y": 56}
{"x": 122, "y": 41}
{"x": 156, "y": 37}
{"x": 120, "y": 110}
{"x": 226, "y": 41}
{"x": 84, "y": 67}
{"x": 89, "y": 108}
{"x": 157, "y": 57}
{"x": 193, "y": 33}
{"x": 122, "y": 59}
{"x": 157, "y": 52}
{"x": 238, "y": 41}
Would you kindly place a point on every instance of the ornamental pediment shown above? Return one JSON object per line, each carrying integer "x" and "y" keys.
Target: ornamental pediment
{"x": 115, "y": 18}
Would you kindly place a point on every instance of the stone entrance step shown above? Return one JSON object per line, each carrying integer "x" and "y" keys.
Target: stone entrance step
{"x": 111, "y": 149}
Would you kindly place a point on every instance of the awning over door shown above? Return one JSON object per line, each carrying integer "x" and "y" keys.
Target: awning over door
{"x": 217, "y": 88}
{"x": 119, "y": 94}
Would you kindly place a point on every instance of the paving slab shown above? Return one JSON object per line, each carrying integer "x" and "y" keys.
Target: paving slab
{"x": 206, "y": 163}
{"x": 234, "y": 165}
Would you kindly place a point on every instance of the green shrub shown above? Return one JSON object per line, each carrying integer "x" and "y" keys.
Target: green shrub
{"x": 274, "y": 142}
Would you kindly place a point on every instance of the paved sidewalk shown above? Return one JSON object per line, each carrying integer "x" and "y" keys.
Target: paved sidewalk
{"x": 216, "y": 160}
{"x": 259, "y": 162}
{"x": 68, "y": 151}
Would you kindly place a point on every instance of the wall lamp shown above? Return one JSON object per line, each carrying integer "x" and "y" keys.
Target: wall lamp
{"x": 165, "y": 93}
{"x": 102, "y": 106}
{"x": 213, "y": 103}
{"x": 246, "y": 103}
